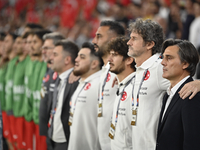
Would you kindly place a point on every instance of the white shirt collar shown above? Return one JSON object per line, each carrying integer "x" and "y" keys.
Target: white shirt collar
{"x": 107, "y": 66}
{"x": 149, "y": 62}
{"x": 91, "y": 77}
{"x": 175, "y": 88}
{"x": 65, "y": 74}
{"x": 123, "y": 82}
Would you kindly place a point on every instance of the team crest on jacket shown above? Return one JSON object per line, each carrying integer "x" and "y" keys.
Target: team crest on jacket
{"x": 124, "y": 96}
{"x": 47, "y": 78}
{"x": 87, "y": 86}
{"x": 55, "y": 75}
{"x": 108, "y": 77}
{"x": 147, "y": 75}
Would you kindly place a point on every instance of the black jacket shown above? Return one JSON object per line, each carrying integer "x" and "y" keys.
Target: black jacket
{"x": 180, "y": 127}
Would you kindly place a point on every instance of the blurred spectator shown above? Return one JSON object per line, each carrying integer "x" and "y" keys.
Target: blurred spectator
{"x": 164, "y": 8}
{"x": 162, "y": 21}
{"x": 189, "y": 18}
{"x": 194, "y": 36}
{"x": 47, "y": 89}
{"x": 174, "y": 22}
{"x": 69, "y": 17}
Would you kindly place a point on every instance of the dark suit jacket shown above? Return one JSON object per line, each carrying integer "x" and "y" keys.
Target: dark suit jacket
{"x": 46, "y": 102}
{"x": 69, "y": 90}
{"x": 180, "y": 127}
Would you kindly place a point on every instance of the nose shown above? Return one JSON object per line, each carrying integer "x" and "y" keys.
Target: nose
{"x": 43, "y": 51}
{"x": 77, "y": 58}
{"x": 110, "y": 58}
{"x": 94, "y": 41}
{"x": 163, "y": 62}
{"x": 128, "y": 43}
{"x": 51, "y": 58}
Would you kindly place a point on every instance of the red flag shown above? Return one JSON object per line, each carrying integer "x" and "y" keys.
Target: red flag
{"x": 95, "y": 22}
{"x": 88, "y": 7}
{"x": 111, "y": 1}
{"x": 69, "y": 12}
{"x": 32, "y": 16}
{"x": 20, "y": 5}
{"x": 125, "y": 2}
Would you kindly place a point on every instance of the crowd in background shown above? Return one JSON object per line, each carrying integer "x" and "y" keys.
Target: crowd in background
{"x": 79, "y": 19}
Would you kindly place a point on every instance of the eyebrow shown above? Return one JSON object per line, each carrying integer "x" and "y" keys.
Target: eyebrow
{"x": 167, "y": 55}
{"x": 82, "y": 55}
{"x": 133, "y": 36}
{"x": 98, "y": 34}
{"x": 113, "y": 52}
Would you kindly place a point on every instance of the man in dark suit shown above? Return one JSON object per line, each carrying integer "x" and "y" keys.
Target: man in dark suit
{"x": 179, "y": 123}
{"x": 50, "y": 39}
{"x": 63, "y": 61}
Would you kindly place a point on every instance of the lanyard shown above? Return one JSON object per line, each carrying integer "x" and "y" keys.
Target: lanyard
{"x": 101, "y": 92}
{"x": 134, "y": 111}
{"x": 77, "y": 98}
{"x": 73, "y": 110}
{"x": 104, "y": 83}
{"x": 127, "y": 83}
{"x": 144, "y": 75}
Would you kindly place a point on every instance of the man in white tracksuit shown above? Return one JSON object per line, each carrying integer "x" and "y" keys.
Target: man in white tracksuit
{"x": 123, "y": 66}
{"x": 149, "y": 86}
{"x": 107, "y": 31}
{"x": 83, "y": 112}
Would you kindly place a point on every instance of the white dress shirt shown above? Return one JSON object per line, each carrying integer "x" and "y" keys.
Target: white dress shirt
{"x": 58, "y": 131}
{"x": 172, "y": 91}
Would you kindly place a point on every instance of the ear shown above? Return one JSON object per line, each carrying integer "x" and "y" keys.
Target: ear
{"x": 67, "y": 60}
{"x": 94, "y": 64}
{"x": 185, "y": 65}
{"x": 150, "y": 45}
{"x": 129, "y": 60}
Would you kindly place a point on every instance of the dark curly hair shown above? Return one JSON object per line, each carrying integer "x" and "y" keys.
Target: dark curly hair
{"x": 120, "y": 46}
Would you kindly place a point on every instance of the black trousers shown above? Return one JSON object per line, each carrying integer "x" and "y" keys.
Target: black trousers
{"x": 59, "y": 146}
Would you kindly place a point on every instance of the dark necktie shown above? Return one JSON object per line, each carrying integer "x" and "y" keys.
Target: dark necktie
{"x": 55, "y": 99}
{"x": 163, "y": 106}
{"x": 162, "y": 110}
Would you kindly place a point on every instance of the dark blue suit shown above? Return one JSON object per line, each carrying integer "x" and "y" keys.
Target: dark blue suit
{"x": 180, "y": 127}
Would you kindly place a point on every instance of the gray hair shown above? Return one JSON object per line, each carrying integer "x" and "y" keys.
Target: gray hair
{"x": 55, "y": 36}
{"x": 149, "y": 31}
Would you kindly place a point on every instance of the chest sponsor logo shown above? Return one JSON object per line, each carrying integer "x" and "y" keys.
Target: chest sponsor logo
{"x": 87, "y": 86}
{"x": 108, "y": 77}
{"x": 124, "y": 96}
{"x": 55, "y": 75}
{"x": 147, "y": 75}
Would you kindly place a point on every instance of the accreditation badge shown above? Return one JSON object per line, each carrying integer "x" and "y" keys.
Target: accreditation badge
{"x": 100, "y": 110}
{"x": 134, "y": 117}
{"x": 112, "y": 131}
{"x": 50, "y": 121}
{"x": 42, "y": 92}
{"x": 70, "y": 119}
